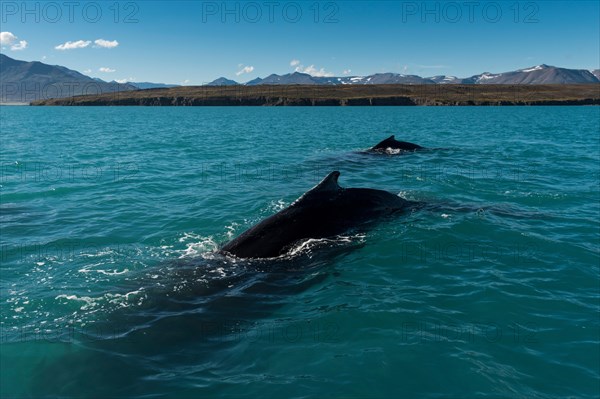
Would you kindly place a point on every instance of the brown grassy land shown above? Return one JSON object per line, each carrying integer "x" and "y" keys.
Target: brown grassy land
{"x": 277, "y": 95}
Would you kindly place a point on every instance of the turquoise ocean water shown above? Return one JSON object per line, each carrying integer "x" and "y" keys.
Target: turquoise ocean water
{"x": 110, "y": 286}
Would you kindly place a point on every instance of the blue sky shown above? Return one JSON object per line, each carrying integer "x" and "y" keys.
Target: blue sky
{"x": 194, "y": 42}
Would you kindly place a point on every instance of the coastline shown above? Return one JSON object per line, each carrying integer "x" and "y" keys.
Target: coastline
{"x": 344, "y": 95}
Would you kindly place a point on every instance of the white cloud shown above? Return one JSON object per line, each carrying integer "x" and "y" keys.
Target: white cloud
{"x": 44, "y": 57}
{"x": 73, "y": 45}
{"x": 125, "y": 80}
{"x": 246, "y": 69}
{"x": 347, "y": 71}
{"x": 106, "y": 70}
{"x": 186, "y": 81}
{"x": 85, "y": 43}
{"x": 22, "y": 45}
{"x": 8, "y": 39}
{"x": 294, "y": 62}
{"x": 106, "y": 43}
{"x": 87, "y": 71}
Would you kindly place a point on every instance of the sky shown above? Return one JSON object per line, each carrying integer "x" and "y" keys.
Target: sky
{"x": 195, "y": 42}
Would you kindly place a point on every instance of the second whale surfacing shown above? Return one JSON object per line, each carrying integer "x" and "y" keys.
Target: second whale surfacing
{"x": 393, "y": 146}
{"x": 325, "y": 211}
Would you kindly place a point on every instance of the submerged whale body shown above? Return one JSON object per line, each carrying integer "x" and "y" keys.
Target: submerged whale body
{"x": 392, "y": 144}
{"x": 325, "y": 211}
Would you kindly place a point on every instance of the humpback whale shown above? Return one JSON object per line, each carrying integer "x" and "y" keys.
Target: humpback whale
{"x": 392, "y": 144}
{"x": 327, "y": 210}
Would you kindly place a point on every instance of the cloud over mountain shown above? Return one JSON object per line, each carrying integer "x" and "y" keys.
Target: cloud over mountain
{"x": 310, "y": 70}
{"x": 73, "y": 45}
{"x": 98, "y": 43}
{"x": 246, "y": 69}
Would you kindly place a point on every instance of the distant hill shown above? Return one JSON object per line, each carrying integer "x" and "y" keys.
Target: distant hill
{"x": 295, "y": 78}
{"x": 394, "y": 78}
{"x": 596, "y": 73}
{"x": 150, "y": 85}
{"x": 23, "y": 82}
{"x": 445, "y": 80}
{"x": 222, "y": 82}
{"x": 540, "y": 74}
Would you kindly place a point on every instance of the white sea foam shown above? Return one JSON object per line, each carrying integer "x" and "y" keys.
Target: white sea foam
{"x": 220, "y": 271}
{"x": 306, "y": 246}
{"x": 89, "y": 302}
{"x": 231, "y": 229}
{"x": 199, "y": 246}
{"x": 113, "y": 272}
{"x": 393, "y": 151}
{"x": 278, "y": 205}
{"x": 122, "y": 300}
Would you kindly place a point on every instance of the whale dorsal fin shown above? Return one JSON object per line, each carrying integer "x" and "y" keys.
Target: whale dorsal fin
{"x": 329, "y": 183}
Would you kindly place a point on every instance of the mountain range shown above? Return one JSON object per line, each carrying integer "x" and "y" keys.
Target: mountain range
{"x": 540, "y": 74}
{"x": 23, "y": 82}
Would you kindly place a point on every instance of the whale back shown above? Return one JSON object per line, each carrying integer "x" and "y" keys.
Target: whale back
{"x": 327, "y": 210}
